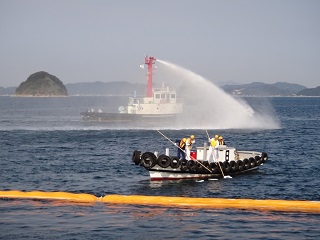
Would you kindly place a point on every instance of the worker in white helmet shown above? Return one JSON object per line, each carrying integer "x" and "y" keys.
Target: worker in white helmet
{"x": 213, "y": 148}
{"x": 191, "y": 140}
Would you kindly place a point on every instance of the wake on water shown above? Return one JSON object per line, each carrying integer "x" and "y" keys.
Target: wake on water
{"x": 208, "y": 106}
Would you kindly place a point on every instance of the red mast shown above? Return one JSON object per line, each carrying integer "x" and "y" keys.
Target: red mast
{"x": 149, "y": 61}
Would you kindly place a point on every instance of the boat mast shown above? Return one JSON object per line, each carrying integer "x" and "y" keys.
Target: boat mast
{"x": 149, "y": 61}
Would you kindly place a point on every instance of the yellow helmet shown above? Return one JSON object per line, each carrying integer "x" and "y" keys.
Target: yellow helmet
{"x": 184, "y": 139}
{"x": 216, "y": 136}
{"x": 192, "y": 137}
{"x": 220, "y": 138}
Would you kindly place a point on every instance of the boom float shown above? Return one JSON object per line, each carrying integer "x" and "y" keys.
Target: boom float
{"x": 74, "y": 197}
{"x": 183, "y": 202}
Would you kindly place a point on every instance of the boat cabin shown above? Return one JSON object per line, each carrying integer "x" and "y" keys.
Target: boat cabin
{"x": 163, "y": 101}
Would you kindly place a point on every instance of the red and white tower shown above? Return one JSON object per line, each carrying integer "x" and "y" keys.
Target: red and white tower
{"x": 149, "y": 61}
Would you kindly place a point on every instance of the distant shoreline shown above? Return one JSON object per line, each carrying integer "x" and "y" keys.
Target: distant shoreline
{"x": 31, "y": 96}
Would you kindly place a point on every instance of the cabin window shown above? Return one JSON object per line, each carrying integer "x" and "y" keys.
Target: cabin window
{"x": 163, "y": 96}
{"x": 157, "y": 96}
{"x": 173, "y": 95}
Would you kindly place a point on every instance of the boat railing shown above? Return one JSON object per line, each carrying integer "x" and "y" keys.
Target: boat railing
{"x": 247, "y": 154}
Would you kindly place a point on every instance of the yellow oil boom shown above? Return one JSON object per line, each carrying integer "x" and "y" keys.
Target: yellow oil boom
{"x": 184, "y": 202}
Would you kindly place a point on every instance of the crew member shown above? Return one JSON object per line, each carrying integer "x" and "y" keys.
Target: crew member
{"x": 181, "y": 148}
{"x": 221, "y": 141}
{"x": 191, "y": 140}
{"x": 213, "y": 149}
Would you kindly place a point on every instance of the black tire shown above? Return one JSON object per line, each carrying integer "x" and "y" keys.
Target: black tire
{"x": 252, "y": 162}
{"x": 148, "y": 159}
{"x": 202, "y": 167}
{"x": 205, "y": 167}
{"x": 175, "y": 162}
{"x": 264, "y": 157}
{"x": 258, "y": 160}
{"x": 199, "y": 167}
{"x": 184, "y": 165}
{"x": 225, "y": 167}
{"x": 136, "y": 157}
{"x": 246, "y": 164}
{"x": 206, "y": 164}
{"x": 214, "y": 167}
{"x": 164, "y": 161}
{"x": 233, "y": 166}
{"x": 240, "y": 165}
{"x": 192, "y": 165}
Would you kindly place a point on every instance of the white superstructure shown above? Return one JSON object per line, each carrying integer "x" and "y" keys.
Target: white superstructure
{"x": 163, "y": 102}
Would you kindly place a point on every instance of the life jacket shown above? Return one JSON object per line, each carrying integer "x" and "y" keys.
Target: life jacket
{"x": 189, "y": 143}
{"x": 182, "y": 144}
{"x": 214, "y": 143}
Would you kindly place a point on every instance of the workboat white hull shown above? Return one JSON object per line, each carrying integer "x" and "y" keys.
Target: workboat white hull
{"x": 230, "y": 162}
{"x": 165, "y": 174}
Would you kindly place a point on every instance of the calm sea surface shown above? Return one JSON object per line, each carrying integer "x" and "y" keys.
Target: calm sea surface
{"x": 46, "y": 146}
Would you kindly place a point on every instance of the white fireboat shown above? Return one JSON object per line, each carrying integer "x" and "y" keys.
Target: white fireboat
{"x": 160, "y": 105}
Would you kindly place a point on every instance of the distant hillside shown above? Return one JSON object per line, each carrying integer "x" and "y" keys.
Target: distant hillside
{"x": 263, "y": 89}
{"x": 7, "y": 91}
{"x": 127, "y": 89}
{"x": 310, "y": 92}
{"x": 106, "y": 88}
{"x": 42, "y": 84}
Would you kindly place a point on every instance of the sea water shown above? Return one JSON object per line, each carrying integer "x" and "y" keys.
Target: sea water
{"x": 46, "y": 146}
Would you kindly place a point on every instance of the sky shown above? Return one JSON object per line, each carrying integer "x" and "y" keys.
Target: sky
{"x": 224, "y": 41}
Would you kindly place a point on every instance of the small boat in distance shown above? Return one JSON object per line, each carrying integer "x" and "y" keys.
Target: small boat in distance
{"x": 160, "y": 105}
{"x": 230, "y": 162}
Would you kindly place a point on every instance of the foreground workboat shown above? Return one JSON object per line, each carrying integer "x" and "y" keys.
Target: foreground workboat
{"x": 160, "y": 105}
{"x": 230, "y": 162}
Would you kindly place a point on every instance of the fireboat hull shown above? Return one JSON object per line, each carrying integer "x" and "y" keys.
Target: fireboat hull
{"x": 128, "y": 118}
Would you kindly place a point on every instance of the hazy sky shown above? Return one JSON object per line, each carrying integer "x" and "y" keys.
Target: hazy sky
{"x": 105, "y": 40}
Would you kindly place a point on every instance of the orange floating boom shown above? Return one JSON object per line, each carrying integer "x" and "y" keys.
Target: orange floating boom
{"x": 185, "y": 202}
{"x": 74, "y": 197}
{"x": 217, "y": 203}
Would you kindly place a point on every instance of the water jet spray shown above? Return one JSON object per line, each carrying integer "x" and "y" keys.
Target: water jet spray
{"x": 206, "y": 103}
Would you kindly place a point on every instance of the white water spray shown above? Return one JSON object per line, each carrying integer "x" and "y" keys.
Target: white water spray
{"x": 208, "y": 106}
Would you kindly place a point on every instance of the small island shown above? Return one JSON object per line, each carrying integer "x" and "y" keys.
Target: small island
{"x": 42, "y": 84}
